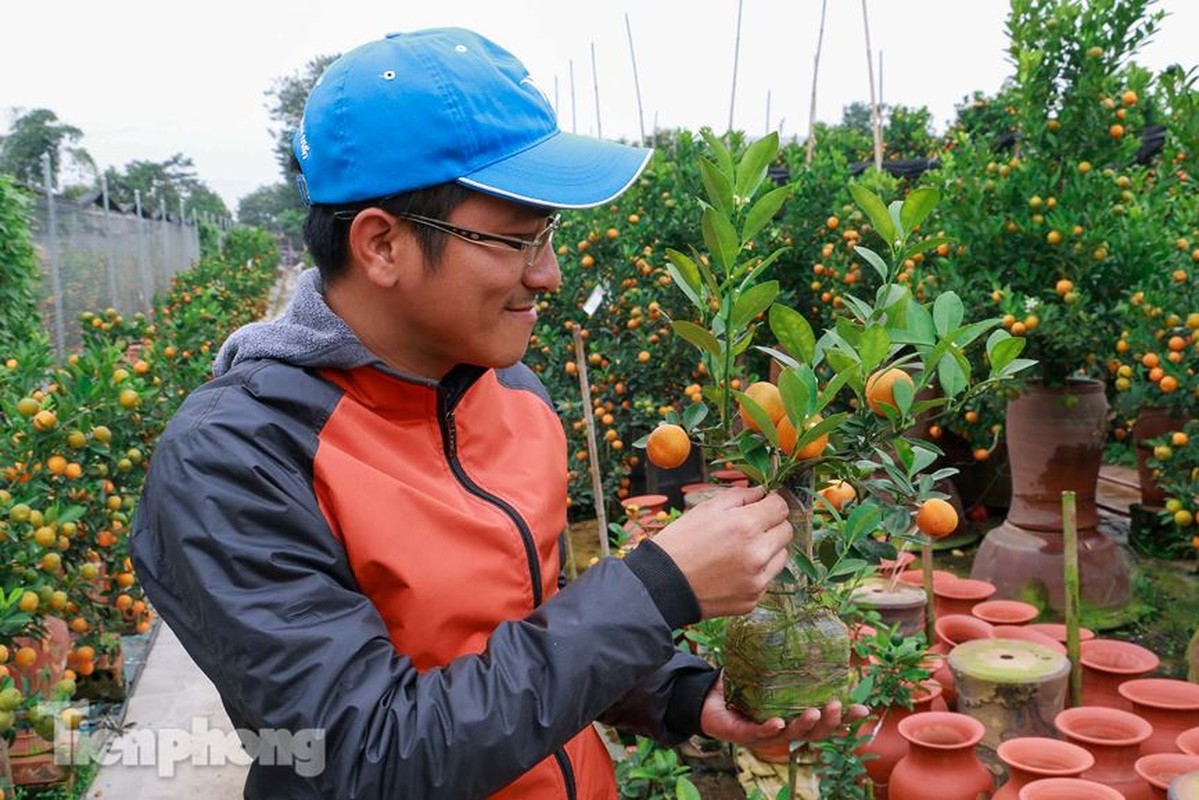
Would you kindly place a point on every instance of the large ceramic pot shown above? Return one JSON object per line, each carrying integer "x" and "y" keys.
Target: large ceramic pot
{"x": 941, "y": 763}
{"x": 885, "y": 746}
{"x": 1107, "y": 663}
{"x": 1171, "y": 706}
{"x": 1160, "y": 769}
{"x": 1055, "y": 439}
{"x": 1029, "y": 758}
{"x": 1068, "y": 789}
{"x": 1151, "y": 422}
{"x": 960, "y": 596}
{"x": 1114, "y": 738}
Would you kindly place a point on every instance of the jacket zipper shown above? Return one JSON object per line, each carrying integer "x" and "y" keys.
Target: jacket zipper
{"x": 450, "y": 442}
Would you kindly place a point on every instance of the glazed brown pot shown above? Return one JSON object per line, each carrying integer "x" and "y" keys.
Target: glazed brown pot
{"x": 1114, "y": 738}
{"x": 1055, "y": 439}
{"x": 1151, "y": 422}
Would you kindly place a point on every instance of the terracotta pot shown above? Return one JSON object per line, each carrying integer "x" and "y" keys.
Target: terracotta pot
{"x": 953, "y": 629}
{"x": 1160, "y": 769}
{"x": 32, "y": 760}
{"x": 1055, "y": 439}
{"x": 1068, "y": 789}
{"x": 886, "y": 745}
{"x": 941, "y": 763}
{"x": 1171, "y": 706}
{"x": 1106, "y": 663}
{"x": 1026, "y": 634}
{"x": 1188, "y": 741}
{"x": 1005, "y": 612}
{"x": 646, "y": 504}
{"x": 960, "y": 596}
{"x": 915, "y": 577}
{"x": 1030, "y": 758}
{"x": 888, "y": 567}
{"x": 1057, "y": 631}
{"x": 730, "y": 477}
{"x": 1114, "y": 738}
{"x": 1151, "y": 422}
{"x": 52, "y": 649}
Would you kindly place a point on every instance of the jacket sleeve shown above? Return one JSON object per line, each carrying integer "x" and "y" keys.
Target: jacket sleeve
{"x": 236, "y": 556}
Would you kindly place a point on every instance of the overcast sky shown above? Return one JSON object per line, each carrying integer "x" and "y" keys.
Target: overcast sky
{"x": 145, "y": 80}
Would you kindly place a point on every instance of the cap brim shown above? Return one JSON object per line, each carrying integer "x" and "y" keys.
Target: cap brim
{"x": 563, "y": 171}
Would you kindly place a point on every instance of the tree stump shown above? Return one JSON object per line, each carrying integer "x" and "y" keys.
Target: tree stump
{"x": 1014, "y": 688}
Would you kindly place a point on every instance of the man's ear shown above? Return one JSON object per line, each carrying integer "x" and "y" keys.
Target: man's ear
{"x": 381, "y": 247}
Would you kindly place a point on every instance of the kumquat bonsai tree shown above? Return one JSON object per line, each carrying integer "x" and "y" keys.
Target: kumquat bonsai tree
{"x": 831, "y": 433}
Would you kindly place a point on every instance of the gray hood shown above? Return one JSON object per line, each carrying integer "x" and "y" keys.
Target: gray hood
{"x": 308, "y": 334}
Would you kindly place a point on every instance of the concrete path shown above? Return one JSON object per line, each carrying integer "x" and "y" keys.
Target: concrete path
{"x": 172, "y": 717}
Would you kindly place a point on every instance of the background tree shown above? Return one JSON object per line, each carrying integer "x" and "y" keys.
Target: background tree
{"x": 165, "y": 182}
{"x": 286, "y": 106}
{"x": 275, "y": 207}
{"x": 33, "y": 133}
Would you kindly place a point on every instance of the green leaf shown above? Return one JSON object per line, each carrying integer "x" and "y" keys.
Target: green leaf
{"x": 893, "y": 211}
{"x": 920, "y": 329}
{"x": 873, "y": 346}
{"x": 922, "y": 246}
{"x": 754, "y": 301}
{"x": 880, "y": 218}
{"x": 847, "y": 333}
{"x": 875, "y": 260}
{"x": 922, "y": 458}
{"x": 699, "y": 336}
{"x": 827, "y": 425}
{"x": 685, "y": 790}
{"x": 758, "y": 414}
{"x": 754, "y": 163}
{"x": 762, "y": 265}
{"x": 864, "y": 519}
{"x": 903, "y": 392}
{"x": 721, "y": 239}
{"x": 847, "y": 566}
{"x": 706, "y": 273}
{"x": 951, "y": 376}
{"x": 860, "y": 308}
{"x": 686, "y": 276}
{"x": 796, "y": 397}
{"x": 693, "y": 415}
{"x": 724, "y": 159}
{"x": 966, "y": 334}
{"x": 1002, "y": 349}
{"x": 917, "y": 206}
{"x": 762, "y": 211}
{"x": 784, "y": 359}
{"x": 833, "y": 387}
{"x": 717, "y": 186}
{"x": 947, "y": 313}
{"x": 840, "y": 360}
{"x": 793, "y": 332}
{"x": 1018, "y": 365}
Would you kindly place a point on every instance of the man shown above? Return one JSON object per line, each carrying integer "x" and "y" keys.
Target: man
{"x": 355, "y": 527}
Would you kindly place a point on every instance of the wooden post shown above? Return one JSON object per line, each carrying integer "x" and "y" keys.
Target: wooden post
{"x": 930, "y": 615}
{"x": 636, "y": 82}
{"x": 1073, "y": 591}
{"x": 766, "y": 131}
{"x": 811, "y": 145}
{"x": 597, "y": 484}
{"x": 876, "y": 123}
{"x": 736, "y": 59}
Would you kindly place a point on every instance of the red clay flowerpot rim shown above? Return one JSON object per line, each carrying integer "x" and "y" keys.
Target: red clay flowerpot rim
{"x": 958, "y": 624}
{"x": 1188, "y": 741}
{"x": 1041, "y": 753}
{"x": 1118, "y": 657}
{"x": 1170, "y": 694}
{"x": 965, "y": 589}
{"x": 726, "y": 476}
{"x": 1159, "y": 769}
{"x": 644, "y": 501}
{"x": 688, "y": 488}
{"x": 1022, "y": 633}
{"x": 1113, "y": 720}
{"x": 968, "y": 730}
{"x": 1068, "y": 789}
{"x": 1056, "y": 630}
{"x": 915, "y": 577}
{"x": 1005, "y": 612}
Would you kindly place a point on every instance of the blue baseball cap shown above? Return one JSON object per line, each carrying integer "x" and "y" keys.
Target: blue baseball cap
{"x": 432, "y": 106}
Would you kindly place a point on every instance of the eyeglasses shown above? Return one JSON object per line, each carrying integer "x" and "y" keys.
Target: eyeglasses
{"x": 531, "y": 247}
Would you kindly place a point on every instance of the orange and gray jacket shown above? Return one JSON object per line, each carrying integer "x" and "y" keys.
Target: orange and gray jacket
{"x": 374, "y": 556}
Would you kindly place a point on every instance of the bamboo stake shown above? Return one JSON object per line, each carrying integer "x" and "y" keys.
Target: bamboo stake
{"x": 811, "y": 149}
{"x": 736, "y": 59}
{"x": 599, "y": 129}
{"x": 1070, "y": 557}
{"x": 574, "y": 119}
{"x": 930, "y": 616}
{"x": 636, "y": 82}
{"x": 874, "y": 112}
{"x": 597, "y": 484}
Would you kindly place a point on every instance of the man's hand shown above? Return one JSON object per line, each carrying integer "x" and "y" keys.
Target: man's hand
{"x": 729, "y": 548}
{"x": 718, "y": 721}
